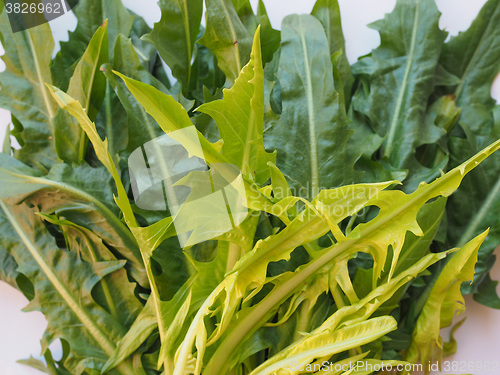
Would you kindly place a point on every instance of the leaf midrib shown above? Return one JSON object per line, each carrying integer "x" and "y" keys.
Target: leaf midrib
{"x": 402, "y": 92}
{"x": 313, "y": 142}
{"x": 41, "y": 82}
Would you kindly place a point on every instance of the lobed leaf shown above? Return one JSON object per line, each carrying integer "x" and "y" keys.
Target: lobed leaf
{"x": 65, "y": 297}
{"x": 239, "y": 117}
{"x": 444, "y": 301}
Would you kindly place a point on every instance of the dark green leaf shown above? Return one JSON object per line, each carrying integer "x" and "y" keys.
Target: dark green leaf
{"x": 28, "y": 55}
{"x": 474, "y": 57}
{"x": 114, "y": 292}
{"x": 91, "y": 14}
{"x": 82, "y": 195}
{"x": 64, "y": 296}
{"x": 487, "y": 293}
{"x": 399, "y": 82}
{"x": 174, "y": 37}
{"x": 88, "y": 86}
{"x": 311, "y": 134}
{"x": 328, "y": 13}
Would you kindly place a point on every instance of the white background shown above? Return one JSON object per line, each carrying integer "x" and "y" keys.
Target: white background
{"x": 478, "y": 338}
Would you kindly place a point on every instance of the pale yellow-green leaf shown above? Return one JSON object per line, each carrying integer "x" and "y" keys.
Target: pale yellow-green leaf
{"x": 290, "y": 361}
{"x": 444, "y": 301}
{"x": 240, "y": 118}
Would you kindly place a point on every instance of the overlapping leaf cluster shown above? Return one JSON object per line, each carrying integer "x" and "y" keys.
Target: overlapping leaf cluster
{"x": 331, "y": 265}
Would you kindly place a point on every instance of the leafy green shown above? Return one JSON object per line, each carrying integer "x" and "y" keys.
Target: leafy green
{"x": 400, "y": 77}
{"x": 473, "y": 56}
{"x": 335, "y": 261}
{"x": 88, "y": 86}
{"x": 270, "y": 37}
{"x": 27, "y": 58}
{"x": 79, "y": 195}
{"x": 91, "y": 14}
{"x": 330, "y": 343}
{"x": 443, "y": 303}
{"x": 328, "y": 13}
{"x": 478, "y": 51}
{"x": 65, "y": 297}
{"x": 374, "y": 237}
{"x": 239, "y": 117}
{"x": 179, "y": 26}
{"x": 312, "y": 130}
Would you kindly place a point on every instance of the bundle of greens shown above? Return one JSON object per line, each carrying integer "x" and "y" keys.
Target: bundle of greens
{"x": 331, "y": 266}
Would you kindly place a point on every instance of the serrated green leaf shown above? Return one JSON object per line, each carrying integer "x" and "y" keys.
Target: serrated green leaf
{"x": 415, "y": 247}
{"x": 487, "y": 294}
{"x": 140, "y": 330}
{"x": 400, "y": 80}
{"x": 325, "y": 345}
{"x": 148, "y": 238}
{"x": 249, "y": 273}
{"x": 373, "y": 237}
{"x": 478, "y": 52}
{"x": 114, "y": 292}
{"x": 27, "y": 59}
{"x": 240, "y": 116}
{"x": 81, "y": 195}
{"x": 473, "y": 209}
